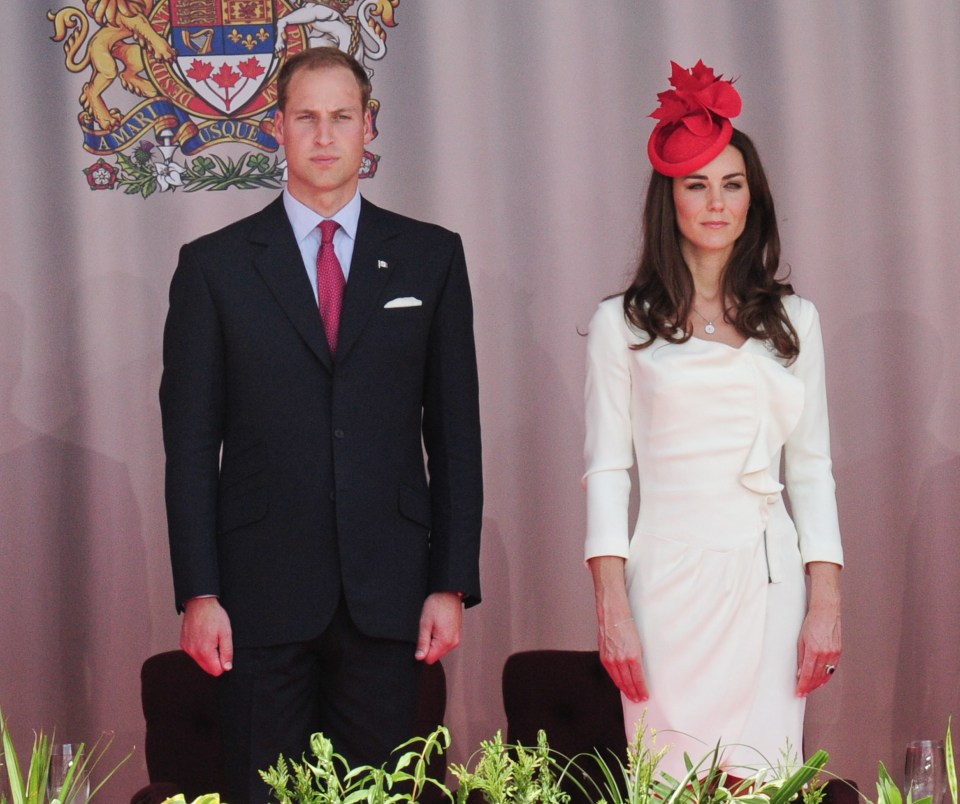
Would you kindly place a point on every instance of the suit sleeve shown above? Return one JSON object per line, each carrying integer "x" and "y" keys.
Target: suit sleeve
{"x": 608, "y": 449}
{"x": 808, "y": 470}
{"x": 451, "y": 434}
{"x": 192, "y": 411}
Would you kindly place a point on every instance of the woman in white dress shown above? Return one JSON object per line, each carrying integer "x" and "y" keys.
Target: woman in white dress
{"x": 719, "y": 613}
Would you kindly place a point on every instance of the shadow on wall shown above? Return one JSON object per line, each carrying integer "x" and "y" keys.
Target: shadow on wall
{"x": 899, "y": 498}
{"x": 75, "y": 620}
{"x": 474, "y": 705}
{"x": 927, "y": 677}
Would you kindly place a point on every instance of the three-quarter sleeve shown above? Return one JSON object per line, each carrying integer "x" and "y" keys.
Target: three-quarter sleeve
{"x": 608, "y": 449}
{"x": 809, "y": 469}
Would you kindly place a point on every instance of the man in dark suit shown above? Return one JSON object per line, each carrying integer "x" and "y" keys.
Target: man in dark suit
{"x": 317, "y": 560}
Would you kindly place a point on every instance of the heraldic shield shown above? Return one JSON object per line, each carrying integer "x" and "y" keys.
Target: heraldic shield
{"x": 225, "y": 48}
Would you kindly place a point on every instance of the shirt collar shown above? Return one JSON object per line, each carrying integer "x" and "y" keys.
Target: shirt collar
{"x": 304, "y": 220}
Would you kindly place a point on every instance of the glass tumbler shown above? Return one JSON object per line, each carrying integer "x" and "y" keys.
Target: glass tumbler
{"x": 925, "y": 770}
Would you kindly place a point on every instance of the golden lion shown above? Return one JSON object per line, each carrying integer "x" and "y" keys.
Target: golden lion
{"x": 124, "y": 32}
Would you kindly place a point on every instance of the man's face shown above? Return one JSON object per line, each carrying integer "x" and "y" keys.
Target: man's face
{"x": 323, "y": 130}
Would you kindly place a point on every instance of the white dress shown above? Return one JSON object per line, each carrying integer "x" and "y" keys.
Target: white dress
{"x": 715, "y": 565}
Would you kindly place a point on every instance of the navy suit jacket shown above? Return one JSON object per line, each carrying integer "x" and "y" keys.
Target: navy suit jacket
{"x": 293, "y": 477}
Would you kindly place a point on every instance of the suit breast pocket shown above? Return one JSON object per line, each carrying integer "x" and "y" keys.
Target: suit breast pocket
{"x": 401, "y": 316}
{"x": 401, "y": 332}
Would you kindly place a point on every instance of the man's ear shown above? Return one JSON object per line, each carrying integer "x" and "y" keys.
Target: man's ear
{"x": 367, "y": 126}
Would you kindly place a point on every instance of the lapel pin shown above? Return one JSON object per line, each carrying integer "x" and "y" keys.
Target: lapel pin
{"x": 381, "y": 264}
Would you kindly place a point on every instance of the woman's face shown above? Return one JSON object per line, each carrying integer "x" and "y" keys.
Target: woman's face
{"x": 712, "y": 206}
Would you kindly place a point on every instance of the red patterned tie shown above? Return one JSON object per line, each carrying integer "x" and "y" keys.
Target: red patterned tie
{"x": 330, "y": 283}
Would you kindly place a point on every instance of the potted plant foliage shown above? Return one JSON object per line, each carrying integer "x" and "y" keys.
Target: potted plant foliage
{"x": 329, "y": 779}
{"x": 29, "y": 783}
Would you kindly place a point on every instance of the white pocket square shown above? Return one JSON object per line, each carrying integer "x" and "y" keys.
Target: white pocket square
{"x": 403, "y": 301}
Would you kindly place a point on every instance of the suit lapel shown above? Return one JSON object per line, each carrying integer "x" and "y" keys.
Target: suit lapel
{"x": 370, "y": 269}
{"x": 280, "y": 264}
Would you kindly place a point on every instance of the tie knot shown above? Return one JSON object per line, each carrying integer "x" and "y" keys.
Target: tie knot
{"x": 327, "y": 230}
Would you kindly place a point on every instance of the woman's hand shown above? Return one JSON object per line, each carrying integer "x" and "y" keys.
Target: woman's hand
{"x": 621, "y": 654}
{"x": 618, "y": 638}
{"x": 819, "y": 645}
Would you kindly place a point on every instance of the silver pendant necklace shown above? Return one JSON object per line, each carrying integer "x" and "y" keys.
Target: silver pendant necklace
{"x": 709, "y": 328}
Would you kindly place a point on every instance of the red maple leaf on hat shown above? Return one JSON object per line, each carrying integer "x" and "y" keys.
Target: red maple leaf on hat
{"x": 226, "y": 76}
{"x": 251, "y": 68}
{"x": 697, "y": 94}
{"x": 200, "y": 70}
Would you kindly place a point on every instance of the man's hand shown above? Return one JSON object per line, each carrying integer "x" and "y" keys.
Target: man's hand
{"x": 441, "y": 625}
{"x": 206, "y": 636}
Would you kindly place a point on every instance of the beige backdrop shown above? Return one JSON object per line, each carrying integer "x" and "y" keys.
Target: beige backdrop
{"x": 523, "y": 126}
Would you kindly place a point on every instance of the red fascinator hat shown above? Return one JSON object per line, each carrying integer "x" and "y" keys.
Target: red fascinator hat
{"x": 694, "y": 120}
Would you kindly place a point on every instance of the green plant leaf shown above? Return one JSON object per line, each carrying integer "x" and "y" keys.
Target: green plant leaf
{"x": 14, "y": 776}
{"x": 887, "y": 790}
{"x": 33, "y": 788}
{"x": 951, "y": 765}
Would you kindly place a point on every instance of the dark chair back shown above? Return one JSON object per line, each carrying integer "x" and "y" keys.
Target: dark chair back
{"x": 182, "y": 744}
{"x": 569, "y": 695}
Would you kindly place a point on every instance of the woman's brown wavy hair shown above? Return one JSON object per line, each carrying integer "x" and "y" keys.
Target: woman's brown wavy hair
{"x": 660, "y": 297}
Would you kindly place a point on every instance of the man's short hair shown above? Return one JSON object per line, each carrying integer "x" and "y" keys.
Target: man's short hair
{"x": 321, "y": 58}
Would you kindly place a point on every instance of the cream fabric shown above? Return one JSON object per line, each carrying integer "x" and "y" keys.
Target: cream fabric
{"x": 715, "y": 565}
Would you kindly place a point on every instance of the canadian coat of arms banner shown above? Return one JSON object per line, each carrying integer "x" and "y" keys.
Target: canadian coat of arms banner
{"x": 181, "y": 94}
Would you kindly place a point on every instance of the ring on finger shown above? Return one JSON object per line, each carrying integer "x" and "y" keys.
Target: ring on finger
{"x": 829, "y": 669}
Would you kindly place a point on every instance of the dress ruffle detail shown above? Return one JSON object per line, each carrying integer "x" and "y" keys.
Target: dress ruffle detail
{"x": 779, "y": 405}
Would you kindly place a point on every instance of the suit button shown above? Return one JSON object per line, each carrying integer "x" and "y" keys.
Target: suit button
{"x": 333, "y": 496}
{"x": 338, "y": 433}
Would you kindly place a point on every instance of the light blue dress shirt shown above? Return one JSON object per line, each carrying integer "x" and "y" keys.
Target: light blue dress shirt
{"x": 305, "y": 222}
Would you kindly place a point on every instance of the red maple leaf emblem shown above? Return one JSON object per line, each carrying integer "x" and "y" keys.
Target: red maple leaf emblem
{"x": 226, "y": 76}
{"x": 200, "y": 70}
{"x": 251, "y": 68}
{"x": 698, "y": 94}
